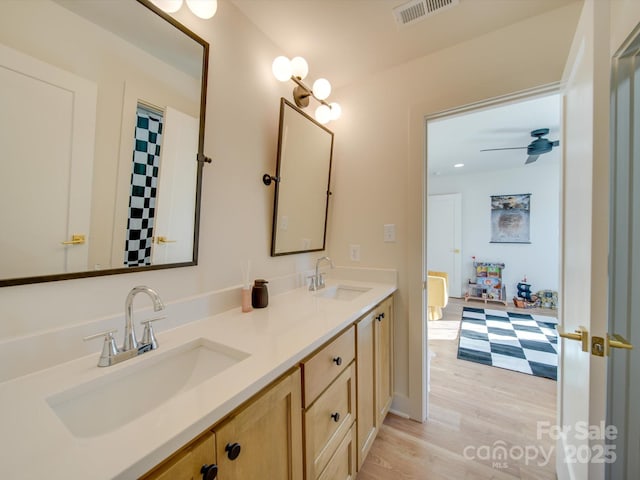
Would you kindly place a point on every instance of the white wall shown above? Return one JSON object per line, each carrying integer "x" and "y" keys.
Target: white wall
{"x": 379, "y": 156}
{"x": 539, "y": 260}
{"x": 241, "y": 137}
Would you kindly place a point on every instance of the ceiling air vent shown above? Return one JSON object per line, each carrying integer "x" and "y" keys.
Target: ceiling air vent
{"x": 416, "y": 10}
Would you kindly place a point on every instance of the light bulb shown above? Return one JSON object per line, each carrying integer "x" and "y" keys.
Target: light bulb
{"x": 336, "y": 110}
{"x": 321, "y": 88}
{"x": 204, "y": 9}
{"x": 169, "y": 6}
{"x": 299, "y": 67}
{"x": 323, "y": 114}
{"x": 281, "y": 68}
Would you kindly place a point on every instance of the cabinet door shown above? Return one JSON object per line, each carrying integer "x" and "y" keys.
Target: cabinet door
{"x": 187, "y": 464}
{"x": 384, "y": 354}
{"x": 264, "y": 439}
{"x": 366, "y": 394}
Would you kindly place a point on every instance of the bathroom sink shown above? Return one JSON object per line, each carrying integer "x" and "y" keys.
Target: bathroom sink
{"x": 342, "y": 292}
{"x": 109, "y": 402}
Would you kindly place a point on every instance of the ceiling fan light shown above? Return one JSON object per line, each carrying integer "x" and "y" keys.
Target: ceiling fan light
{"x": 299, "y": 67}
{"x": 168, "y": 6}
{"x": 204, "y": 9}
{"x": 321, "y": 88}
{"x": 281, "y": 68}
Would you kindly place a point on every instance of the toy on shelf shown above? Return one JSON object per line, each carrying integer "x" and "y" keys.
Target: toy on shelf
{"x": 487, "y": 285}
{"x": 548, "y": 298}
{"x": 524, "y": 298}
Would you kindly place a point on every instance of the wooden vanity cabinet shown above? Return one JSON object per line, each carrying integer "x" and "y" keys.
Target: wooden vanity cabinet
{"x": 317, "y": 422}
{"x": 262, "y": 439}
{"x": 384, "y": 358}
{"x": 330, "y": 410}
{"x": 374, "y": 373}
{"x": 189, "y": 462}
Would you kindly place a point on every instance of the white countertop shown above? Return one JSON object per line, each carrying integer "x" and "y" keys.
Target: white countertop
{"x": 36, "y": 444}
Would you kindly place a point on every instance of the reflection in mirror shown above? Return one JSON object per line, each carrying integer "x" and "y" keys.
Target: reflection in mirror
{"x": 302, "y": 191}
{"x": 101, "y": 126}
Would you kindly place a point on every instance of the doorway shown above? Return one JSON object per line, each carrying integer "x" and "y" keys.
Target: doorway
{"x": 457, "y": 166}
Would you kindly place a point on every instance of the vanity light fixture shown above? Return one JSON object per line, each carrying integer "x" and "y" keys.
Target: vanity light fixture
{"x": 204, "y": 9}
{"x": 296, "y": 70}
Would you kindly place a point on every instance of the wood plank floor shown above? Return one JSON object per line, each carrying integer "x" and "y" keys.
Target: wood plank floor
{"x": 474, "y": 409}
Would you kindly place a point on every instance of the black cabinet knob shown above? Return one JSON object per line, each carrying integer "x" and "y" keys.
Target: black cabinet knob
{"x": 233, "y": 450}
{"x": 209, "y": 472}
{"x": 337, "y": 361}
{"x": 335, "y": 416}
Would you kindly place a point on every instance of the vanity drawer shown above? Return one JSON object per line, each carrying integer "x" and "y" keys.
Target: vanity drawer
{"x": 328, "y": 420}
{"x": 342, "y": 465}
{"x": 325, "y": 365}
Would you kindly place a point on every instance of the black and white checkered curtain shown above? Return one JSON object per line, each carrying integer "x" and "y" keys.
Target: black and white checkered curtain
{"x": 144, "y": 188}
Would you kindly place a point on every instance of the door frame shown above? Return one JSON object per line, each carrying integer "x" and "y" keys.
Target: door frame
{"x": 417, "y": 400}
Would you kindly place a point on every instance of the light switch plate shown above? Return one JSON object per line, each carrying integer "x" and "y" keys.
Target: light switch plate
{"x": 354, "y": 253}
{"x": 390, "y": 232}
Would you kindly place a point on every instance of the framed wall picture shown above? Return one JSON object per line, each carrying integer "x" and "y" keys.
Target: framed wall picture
{"x": 510, "y": 218}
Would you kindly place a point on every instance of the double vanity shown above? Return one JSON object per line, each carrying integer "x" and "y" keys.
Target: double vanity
{"x": 296, "y": 390}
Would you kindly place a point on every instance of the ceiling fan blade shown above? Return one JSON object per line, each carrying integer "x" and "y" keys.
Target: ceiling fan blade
{"x": 531, "y": 159}
{"x": 555, "y": 143}
{"x": 508, "y": 148}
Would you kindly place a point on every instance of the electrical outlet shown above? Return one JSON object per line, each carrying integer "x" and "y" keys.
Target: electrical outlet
{"x": 354, "y": 253}
{"x": 390, "y": 232}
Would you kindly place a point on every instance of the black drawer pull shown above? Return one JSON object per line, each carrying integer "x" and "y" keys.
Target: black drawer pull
{"x": 337, "y": 361}
{"x": 233, "y": 450}
{"x": 209, "y": 472}
{"x": 336, "y": 417}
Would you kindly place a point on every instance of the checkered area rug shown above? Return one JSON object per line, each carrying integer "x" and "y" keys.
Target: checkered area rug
{"x": 515, "y": 341}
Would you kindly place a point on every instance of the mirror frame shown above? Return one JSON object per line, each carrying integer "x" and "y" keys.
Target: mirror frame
{"x": 201, "y": 159}
{"x": 284, "y": 103}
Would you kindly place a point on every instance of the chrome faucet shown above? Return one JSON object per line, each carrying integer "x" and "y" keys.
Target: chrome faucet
{"x": 130, "y": 341}
{"x": 111, "y": 354}
{"x": 317, "y": 280}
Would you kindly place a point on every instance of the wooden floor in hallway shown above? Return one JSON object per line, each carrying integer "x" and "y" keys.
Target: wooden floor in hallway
{"x": 476, "y": 412}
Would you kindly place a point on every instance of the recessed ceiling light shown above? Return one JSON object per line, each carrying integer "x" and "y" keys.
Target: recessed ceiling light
{"x": 458, "y": 165}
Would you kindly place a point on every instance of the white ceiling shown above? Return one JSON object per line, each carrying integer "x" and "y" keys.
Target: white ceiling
{"x": 347, "y": 40}
{"x": 459, "y": 138}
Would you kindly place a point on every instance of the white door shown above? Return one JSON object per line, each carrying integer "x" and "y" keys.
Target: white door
{"x": 624, "y": 366}
{"x": 174, "y": 228}
{"x": 47, "y": 166}
{"x": 584, "y": 276}
{"x": 444, "y": 224}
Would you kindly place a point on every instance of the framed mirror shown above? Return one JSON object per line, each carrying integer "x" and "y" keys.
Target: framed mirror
{"x": 303, "y": 173}
{"x": 102, "y": 108}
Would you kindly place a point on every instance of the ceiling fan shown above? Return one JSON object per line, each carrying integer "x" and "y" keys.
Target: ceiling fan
{"x": 536, "y": 148}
